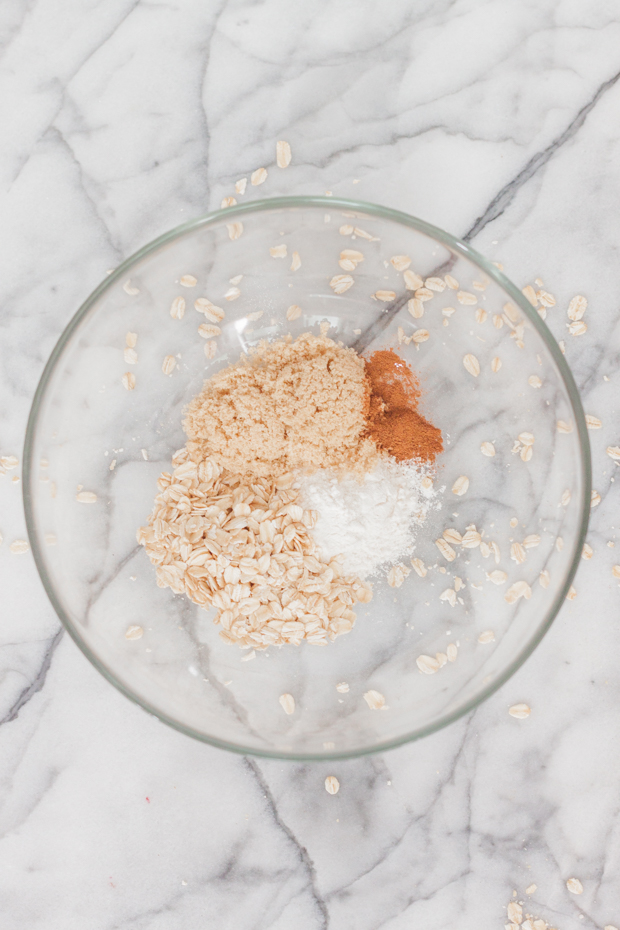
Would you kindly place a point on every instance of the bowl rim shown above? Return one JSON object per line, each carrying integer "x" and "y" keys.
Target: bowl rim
{"x": 458, "y": 246}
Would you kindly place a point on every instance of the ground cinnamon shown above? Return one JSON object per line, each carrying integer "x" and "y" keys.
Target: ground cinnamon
{"x": 394, "y": 422}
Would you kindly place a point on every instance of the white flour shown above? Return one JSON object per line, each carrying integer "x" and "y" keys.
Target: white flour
{"x": 371, "y": 523}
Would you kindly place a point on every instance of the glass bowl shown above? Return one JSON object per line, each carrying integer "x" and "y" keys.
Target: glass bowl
{"x": 491, "y": 374}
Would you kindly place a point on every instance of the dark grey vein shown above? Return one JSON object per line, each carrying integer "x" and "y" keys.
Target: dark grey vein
{"x": 302, "y": 852}
{"x": 37, "y": 683}
{"x": 508, "y": 193}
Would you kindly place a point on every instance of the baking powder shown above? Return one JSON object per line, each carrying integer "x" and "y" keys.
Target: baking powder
{"x": 371, "y": 522}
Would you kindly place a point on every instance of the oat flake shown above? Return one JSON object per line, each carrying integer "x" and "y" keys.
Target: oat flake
{"x": 332, "y": 785}
{"x": 375, "y": 700}
{"x": 287, "y": 702}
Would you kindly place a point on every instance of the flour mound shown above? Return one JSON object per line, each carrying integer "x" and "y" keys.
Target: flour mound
{"x": 371, "y": 522}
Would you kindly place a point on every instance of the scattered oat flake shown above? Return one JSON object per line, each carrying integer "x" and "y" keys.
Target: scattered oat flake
{"x": 241, "y": 185}
{"x": 497, "y": 577}
{"x": 544, "y": 579}
{"x": 287, "y": 702}
{"x": 130, "y": 356}
{"x": 496, "y": 364}
{"x": 365, "y": 235}
{"x": 446, "y": 549}
{"x": 235, "y": 230}
{"x": 427, "y": 664}
{"x": 452, "y": 536}
{"x": 86, "y": 497}
{"x": 520, "y": 711}
{"x": 341, "y": 283}
{"x": 250, "y": 655}
{"x": 488, "y": 449}
{"x": 424, "y": 294}
{"x": 209, "y": 332}
{"x": 129, "y": 381}
{"x": 577, "y": 307}
{"x": 342, "y": 687}
{"x": 418, "y": 567}
{"x": 19, "y": 546}
{"x": 587, "y": 552}
{"x": 232, "y": 293}
{"x": 375, "y": 700}
{"x": 283, "y": 154}
{"x": 464, "y": 297}
{"x": 131, "y": 340}
{"x": 564, "y": 427}
{"x": 517, "y": 590}
{"x": 129, "y": 289}
{"x": 415, "y": 308}
{"x": 498, "y": 322}
{"x": 530, "y": 294}
{"x": 534, "y": 381}
{"x": 177, "y": 308}
{"x": 385, "y": 296}
{"x": 169, "y": 364}
{"x": 451, "y": 652}
{"x": 593, "y": 422}
{"x": 487, "y": 636}
{"x": 413, "y": 281}
{"x": 226, "y": 202}
{"x": 531, "y": 541}
{"x": 574, "y": 886}
{"x": 258, "y": 177}
{"x": 472, "y": 365}
{"x": 210, "y": 349}
{"x": 514, "y": 912}
{"x": 400, "y": 262}
{"x": 213, "y": 313}
{"x": 517, "y": 553}
{"x": 278, "y": 251}
{"x": 188, "y": 280}
{"x": 471, "y": 540}
{"x": 296, "y": 262}
{"x": 9, "y": 462}
{"x": 293, "y": 312}
{"x": 420, "y": 335}
{"x": 448, "y": 595}
{"x": 531, "y": 889}
{"x": 332, "y": 785}
{"x": 460, "y": 486}
{"x": 452, "y": 283}
{"x": 134, "y": 632}
{"x": 397, "y": 575}
{"x": 578, "y": 329}
{"x": 481, "y": 315}
{"x": 572, "y": 594}
{"x": 346, "y": 230}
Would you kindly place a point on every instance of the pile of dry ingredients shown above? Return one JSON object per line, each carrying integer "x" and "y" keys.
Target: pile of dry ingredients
{"x": 306, "y": 469}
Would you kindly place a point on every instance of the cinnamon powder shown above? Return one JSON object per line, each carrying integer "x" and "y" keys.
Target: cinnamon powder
{"x": 394, "y": 422}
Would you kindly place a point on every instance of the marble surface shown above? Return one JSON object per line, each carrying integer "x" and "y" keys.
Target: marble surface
{"x": 498, "y": 121}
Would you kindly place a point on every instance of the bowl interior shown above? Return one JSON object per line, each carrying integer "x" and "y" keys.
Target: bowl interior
{"x": 88, "y": 432}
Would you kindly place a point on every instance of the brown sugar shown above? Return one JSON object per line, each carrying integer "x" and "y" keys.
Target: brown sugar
{"x": 290, "y": 404}
{"x": 394, "y": 422}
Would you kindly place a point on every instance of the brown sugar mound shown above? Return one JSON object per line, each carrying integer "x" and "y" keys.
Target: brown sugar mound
{"x": 394, "y": 423}
{"x": 290, "y": 404}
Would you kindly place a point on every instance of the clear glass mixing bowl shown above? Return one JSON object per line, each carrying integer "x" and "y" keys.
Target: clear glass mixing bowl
{"x": 84, "y": 419}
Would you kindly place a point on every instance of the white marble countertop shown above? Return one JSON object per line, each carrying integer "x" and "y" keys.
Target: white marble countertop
{"x": 495, "y": 120}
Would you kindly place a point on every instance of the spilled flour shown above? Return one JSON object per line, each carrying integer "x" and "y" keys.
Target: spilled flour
{"x": 370, "y": 522}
